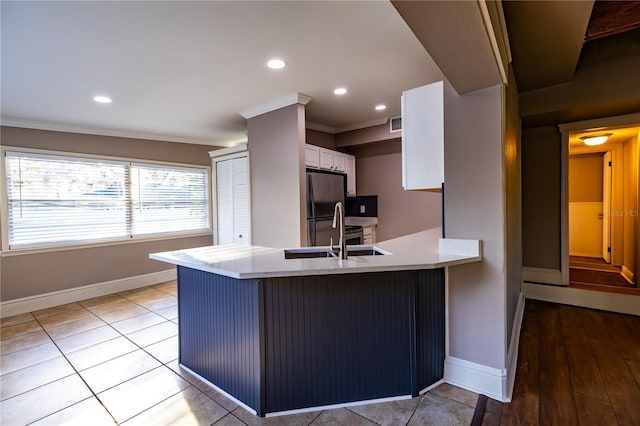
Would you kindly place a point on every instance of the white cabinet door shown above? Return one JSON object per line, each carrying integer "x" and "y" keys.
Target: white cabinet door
{"x": 312, "y": 156}
{"x": 350, "y": 168}
{"x": 232, "y": 201}
{"x": 326, "y": 159}
{"x": 423, "y": 137}
{"x": 339, "y": 161}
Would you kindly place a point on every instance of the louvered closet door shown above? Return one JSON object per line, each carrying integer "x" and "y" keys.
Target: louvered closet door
{"x": 232, "y": 191}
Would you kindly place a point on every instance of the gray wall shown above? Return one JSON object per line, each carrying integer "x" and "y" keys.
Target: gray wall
{"x": 513, "y": 200}
{"x": 23, "y": 275}
{"x": 541, "y": 157}
{"x": 278, "y": 194}
{"x": 475, "y": 208}
{"x": 400, "y": 212}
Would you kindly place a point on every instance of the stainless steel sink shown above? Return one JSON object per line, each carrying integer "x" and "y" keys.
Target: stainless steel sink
{"x": 313, "y": 252}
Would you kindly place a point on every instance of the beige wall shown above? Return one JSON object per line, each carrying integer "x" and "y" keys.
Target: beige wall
{"x": 541, "y": 149}
{"x": 400, "y": 212}
{"x": 23, "y": 275}
{"x": 378, "y": 133}
{"x": 278, "y": 192}
{"x": 318, "y": 138}
{"x": 631, "y": 205}
{"x": 475, "y": 208}
{"x": 585, "y": 177}
{"x": 513, "y": 199}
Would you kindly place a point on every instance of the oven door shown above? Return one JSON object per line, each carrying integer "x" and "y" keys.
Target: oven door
{"x": 354, "y": 238}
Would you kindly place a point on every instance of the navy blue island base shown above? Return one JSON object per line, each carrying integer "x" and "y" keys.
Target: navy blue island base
{"x": 290, "y": 343}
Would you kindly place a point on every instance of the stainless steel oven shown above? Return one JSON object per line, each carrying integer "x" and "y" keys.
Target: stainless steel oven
{"x": 353, "y": 235}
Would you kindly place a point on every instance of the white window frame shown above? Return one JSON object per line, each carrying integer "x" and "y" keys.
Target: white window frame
{"x": 4, "y": 202}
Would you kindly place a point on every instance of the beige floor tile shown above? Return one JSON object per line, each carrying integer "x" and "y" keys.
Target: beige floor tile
{"x": 136, "y": 323}
{"x": 43, "y": 401}
{"x": 170, "y": 312}
{"x": 23, "y": 341}
{"x": 189, "y": 407}
{"x": 11, "y": 331}
{"x": 154, "y": 301}
{"x": 165, "y": 351}
{"x": 137, "y": 291}
{"x": 97, "y": 354}
{"x": 457, "y": 394}
{"x": 75, "y": 327}
{"x": 100, "y": 300}
{"x": 28, "y": 357}
{"x": 31, "y": 377}
{"x": 388, "y": 413}
{"x": 65, "y": 318}
{"x": 230, "y": 420}
{"x": 118, "y": 370}
{"x": 290, "y": 420}
{"x": 153, "y": 334}
{"x": 124, "y": 313}
{"x": 341, "y": 416}
{"x": 86, "y": 338}
{"x": 222, "y": 400}
{"x": 170, "y": 287}
{"x": 57, "y": 310}
{"x": 141, "y": 393}
{"x": 114, "y": 305}
{"x": 436, "y": 410}
{"x": 16, "y": 319}
{"x": 84, "y": 413}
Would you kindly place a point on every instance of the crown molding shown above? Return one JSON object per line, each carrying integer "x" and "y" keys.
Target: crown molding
{"x": 61, "y": 127}
{"x": 320, "y": 127}
{"x": 362, "y": 125}
{"x": 290, "y": 99}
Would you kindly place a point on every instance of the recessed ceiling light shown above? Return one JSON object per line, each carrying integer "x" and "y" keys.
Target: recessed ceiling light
{"x": 381, "y": 107}
{"x": 276, "y": 64}
{"x": 102, "y": 99}
{"x": 340, "y": 91}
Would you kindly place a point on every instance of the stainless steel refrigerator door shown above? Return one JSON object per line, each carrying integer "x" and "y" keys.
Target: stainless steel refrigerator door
{"x": 324, "y": 190}
{"x": 320, "y": 232}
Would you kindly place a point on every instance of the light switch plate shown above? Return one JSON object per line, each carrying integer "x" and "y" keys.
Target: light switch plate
{"x": 362, "y": 208}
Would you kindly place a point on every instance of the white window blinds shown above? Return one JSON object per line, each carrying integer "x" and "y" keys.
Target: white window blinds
{"x": 57, "y": 200}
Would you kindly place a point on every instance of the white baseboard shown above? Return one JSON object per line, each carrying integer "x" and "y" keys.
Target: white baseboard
{"x": 614, "y": 302}
{"x": 627, "y": 274}
{"x": 476, "y": 377}
{"x": 542, "y": 275}
{"x": 47, "y": 300}
{"x": 512, "y": 353}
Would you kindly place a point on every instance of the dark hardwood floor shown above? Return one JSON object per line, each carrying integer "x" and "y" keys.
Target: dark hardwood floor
{"x": 576, "y": 366}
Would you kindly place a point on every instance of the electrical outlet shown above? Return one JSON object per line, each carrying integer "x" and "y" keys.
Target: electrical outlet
{"x": 363, "y": 209}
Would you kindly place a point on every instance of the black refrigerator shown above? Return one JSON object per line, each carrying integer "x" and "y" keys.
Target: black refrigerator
{"x": 324, "y": 190}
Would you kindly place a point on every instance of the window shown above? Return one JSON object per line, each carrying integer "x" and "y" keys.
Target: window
{"x": 61, "y": 200}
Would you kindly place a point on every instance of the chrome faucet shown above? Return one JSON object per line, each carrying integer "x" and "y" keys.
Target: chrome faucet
{"x": 339, "y": 211}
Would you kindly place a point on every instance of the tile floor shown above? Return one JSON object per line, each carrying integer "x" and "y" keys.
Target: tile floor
{"x": 114, "y": 360}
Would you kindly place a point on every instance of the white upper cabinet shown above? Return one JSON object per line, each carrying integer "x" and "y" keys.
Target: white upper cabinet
{"x": 350, "y": 169}
{"x": 423, "y": 137}
{"x": 326, "y": 159}
{"x": 312, "y": 156}
{"x": 338, "y": 161}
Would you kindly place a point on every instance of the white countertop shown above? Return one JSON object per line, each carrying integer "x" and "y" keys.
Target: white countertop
{"x": 423, "y": 250}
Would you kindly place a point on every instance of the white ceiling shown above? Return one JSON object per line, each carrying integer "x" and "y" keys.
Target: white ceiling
{"x": 184, "y": 71}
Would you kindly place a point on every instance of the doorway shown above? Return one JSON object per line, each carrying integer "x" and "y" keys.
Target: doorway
{"x": 603, "y": 197}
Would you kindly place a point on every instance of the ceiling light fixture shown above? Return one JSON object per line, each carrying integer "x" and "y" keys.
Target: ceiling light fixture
{"x": 340, "y": 91}
{"x": 593, "y": 140}
{"x": 102, "y": 99}
{"x": 381, "y": 107}
{"x": 276, "y": 64}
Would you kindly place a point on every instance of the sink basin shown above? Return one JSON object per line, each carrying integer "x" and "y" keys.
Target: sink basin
{"x": 313, "y": 252}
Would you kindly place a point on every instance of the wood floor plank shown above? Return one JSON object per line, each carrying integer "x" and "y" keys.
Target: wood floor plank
{"x": 621, "y": 386}
{"x": 634, "y": 367}
{"x": 623, "y": 337}
{"x": 593, "y": 411}
{"x": 594, "y": 326}
{"x": 524, "y": 406}
{"x": 550, "y": 329}
{"x": 492, "y": 413}
{"x": 557, "y": 405}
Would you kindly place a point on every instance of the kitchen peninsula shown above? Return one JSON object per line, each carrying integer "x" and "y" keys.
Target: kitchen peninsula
{"x": 280, "y": 334}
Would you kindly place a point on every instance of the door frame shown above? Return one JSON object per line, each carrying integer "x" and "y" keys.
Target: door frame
{"x": 628, "y": 120}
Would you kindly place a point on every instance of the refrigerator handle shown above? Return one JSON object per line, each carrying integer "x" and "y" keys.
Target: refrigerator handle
{"x": 312, "y": 233}
{"x": 311, "y": 205}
